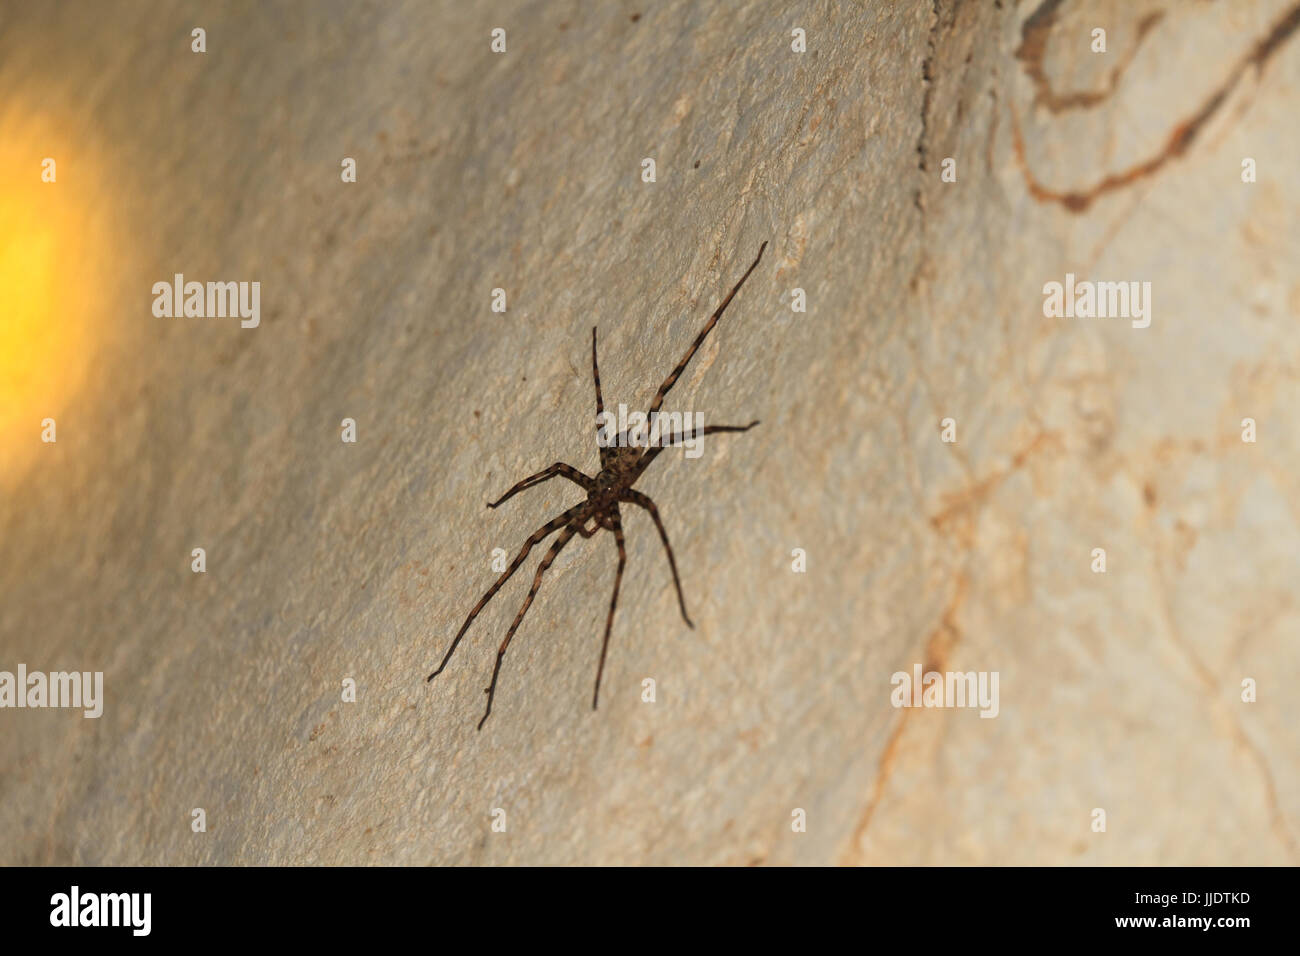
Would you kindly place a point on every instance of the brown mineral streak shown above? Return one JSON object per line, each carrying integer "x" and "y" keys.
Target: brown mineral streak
{"x": 937, "y": 648}
{"x": 1179, "y": 140}
{"x": 1033, "y": 49}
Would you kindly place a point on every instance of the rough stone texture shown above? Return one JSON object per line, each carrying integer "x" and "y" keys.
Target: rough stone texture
{"x": 329, "y": 561}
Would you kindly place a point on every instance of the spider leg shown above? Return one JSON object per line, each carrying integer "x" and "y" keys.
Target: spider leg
{"x": 613, "y": 602}
{"x": 699, "y": 339}
{"x": 559, "y": 543}
{"x": 672, "y": 439}
{"x": 595, "y": 374}
{"x": 667, "y": 442}
{"x": 559, "y": 468}
{"x": 637, "y": 498}
{"x": 536, "y": 536}
{"x": 605, "y": 439}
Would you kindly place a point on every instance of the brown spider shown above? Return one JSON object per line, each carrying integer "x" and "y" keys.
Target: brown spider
{"x": 621, "y": 464}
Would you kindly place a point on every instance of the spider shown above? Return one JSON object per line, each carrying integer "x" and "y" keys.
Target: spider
{"x": 621, "y": 464}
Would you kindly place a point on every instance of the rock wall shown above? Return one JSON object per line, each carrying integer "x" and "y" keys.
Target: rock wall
{"x": 330, "y": 561}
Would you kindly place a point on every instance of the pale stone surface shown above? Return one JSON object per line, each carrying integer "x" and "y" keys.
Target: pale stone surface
{"x": 521, "y": 171}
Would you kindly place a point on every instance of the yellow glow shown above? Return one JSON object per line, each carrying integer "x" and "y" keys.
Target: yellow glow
{"x": 49, "y": 265}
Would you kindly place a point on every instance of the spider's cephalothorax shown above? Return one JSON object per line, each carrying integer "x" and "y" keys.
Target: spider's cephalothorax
{"x": 620, "y": 467}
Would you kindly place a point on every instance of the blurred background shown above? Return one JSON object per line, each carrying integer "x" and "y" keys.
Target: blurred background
{"x": 522, "y": 170}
